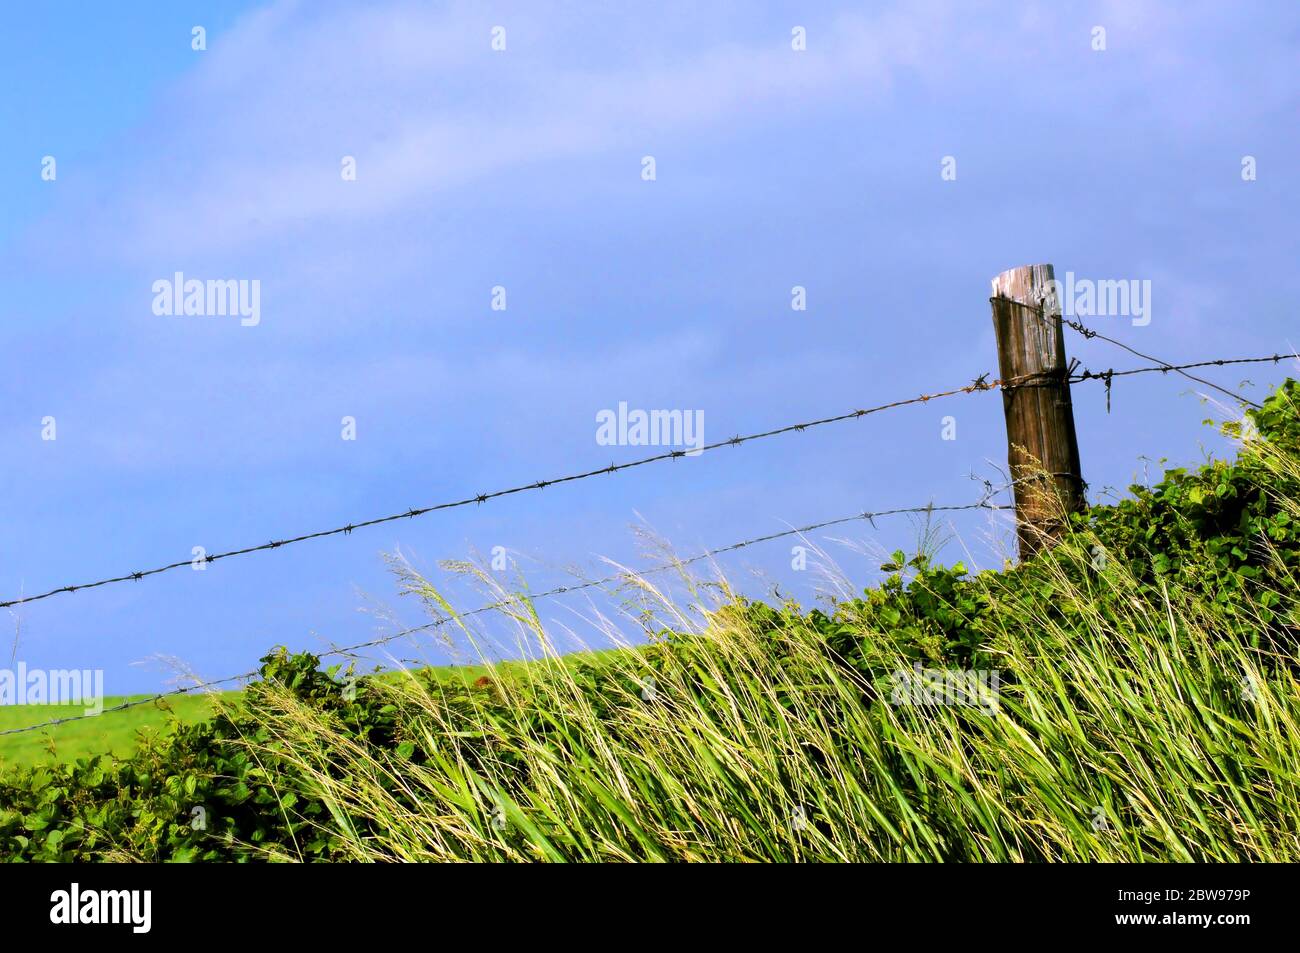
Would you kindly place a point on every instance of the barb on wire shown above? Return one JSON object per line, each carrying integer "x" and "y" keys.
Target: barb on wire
{"x": 1166, "y": 368}
{"x": 1090, "y": 333}
{"x": 1108, "y": 376}
{"x": 978, "y": 384}
{"x": 983, "y": 503}
{"x": 522, "y": 488}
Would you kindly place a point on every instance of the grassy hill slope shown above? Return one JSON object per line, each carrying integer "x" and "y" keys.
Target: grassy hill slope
{"x": 114, "y": 733}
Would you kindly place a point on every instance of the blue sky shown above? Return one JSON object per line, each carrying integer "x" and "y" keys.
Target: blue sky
{"x": 523, "y": 168}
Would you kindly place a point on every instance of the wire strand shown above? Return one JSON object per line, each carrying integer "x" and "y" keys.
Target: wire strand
{"x": 978, "y": 385}
{"x": 869, "y": 516}
{"x": 1089, "y": 333}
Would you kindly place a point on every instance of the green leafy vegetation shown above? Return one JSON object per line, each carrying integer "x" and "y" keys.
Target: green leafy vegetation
{"x": 1144, "y": 706}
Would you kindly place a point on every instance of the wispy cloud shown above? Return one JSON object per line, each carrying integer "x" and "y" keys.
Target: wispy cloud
{"x": 250, "y": 146}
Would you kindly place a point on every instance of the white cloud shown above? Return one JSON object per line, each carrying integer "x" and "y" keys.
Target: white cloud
{"x": 250, "y": 145}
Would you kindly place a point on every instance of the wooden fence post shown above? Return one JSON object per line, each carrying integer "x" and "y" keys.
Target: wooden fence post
{"x": 1042, "y": 449}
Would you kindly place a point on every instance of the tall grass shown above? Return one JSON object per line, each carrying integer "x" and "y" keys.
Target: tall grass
{"x": 1128, "y": 729}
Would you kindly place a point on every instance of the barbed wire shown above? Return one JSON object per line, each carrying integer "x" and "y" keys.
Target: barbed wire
{"x": 1090, "y": 333}
{"x": 985, "y": 502}
{"x": 978, "y": 385}
{"x": 1165, "y": 368}
{"x": 1107, "y": 376}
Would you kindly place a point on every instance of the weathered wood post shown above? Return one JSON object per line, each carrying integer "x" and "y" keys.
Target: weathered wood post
{"x": 1042, "y": 449}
